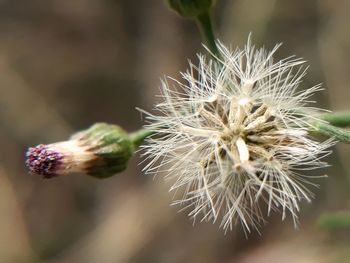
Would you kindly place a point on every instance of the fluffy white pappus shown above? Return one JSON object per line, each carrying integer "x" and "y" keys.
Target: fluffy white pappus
{"x": 233, "y": 137}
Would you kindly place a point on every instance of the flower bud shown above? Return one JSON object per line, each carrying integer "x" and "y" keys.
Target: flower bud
{"x": 190, "y": 8}
{"x": 100, "y": 151}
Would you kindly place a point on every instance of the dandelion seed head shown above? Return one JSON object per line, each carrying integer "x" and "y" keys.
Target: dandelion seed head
{"x": 234, "y": 136}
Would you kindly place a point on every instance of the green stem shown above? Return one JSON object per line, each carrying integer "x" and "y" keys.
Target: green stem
{"x": 339, "y": 119}
{"x": 335, "y": 221}
{"x": 139, "y": 136}
{"x": 331, "y": 131}
{"x": 205, "y": 26}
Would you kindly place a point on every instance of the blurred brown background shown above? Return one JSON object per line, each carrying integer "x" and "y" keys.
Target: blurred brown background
{"x": 65, "y": 64}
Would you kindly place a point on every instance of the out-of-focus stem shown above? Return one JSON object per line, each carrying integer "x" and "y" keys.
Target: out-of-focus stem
{"x": 205, "y": 26}
{"x": 335, "y": 221}
{"x": 339, "y": 119}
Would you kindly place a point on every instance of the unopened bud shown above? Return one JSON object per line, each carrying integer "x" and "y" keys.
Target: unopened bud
{"x": 100, "y": 151}
{"x": 190, "y": 8}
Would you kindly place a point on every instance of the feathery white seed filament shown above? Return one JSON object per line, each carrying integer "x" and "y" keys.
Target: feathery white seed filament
{"x": 235, "y": 137}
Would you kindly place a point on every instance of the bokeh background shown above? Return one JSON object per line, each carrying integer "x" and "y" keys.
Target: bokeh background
{"x": 66, "y": 64}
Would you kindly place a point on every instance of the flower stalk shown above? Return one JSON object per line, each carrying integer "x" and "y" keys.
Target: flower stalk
{"x": 335, "y": 221}
{"x": 205, "y": 27}
{"x": 139, "y": 136}
{"x": 331, "y": 131}
{"x": 339, "y": 119}
{"x": 199, "y": 10}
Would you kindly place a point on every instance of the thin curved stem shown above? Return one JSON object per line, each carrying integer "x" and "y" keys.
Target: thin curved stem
{"x": 206, "y": 29}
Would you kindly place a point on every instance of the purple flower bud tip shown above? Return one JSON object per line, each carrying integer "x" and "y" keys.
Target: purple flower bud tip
{"x": 43, "y": 161}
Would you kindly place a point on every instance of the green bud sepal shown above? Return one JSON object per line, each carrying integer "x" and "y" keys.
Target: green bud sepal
{"x": 110, "y": 144}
